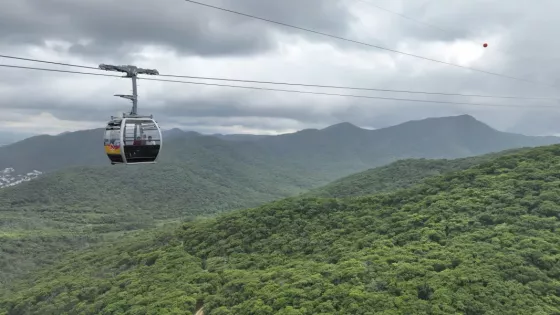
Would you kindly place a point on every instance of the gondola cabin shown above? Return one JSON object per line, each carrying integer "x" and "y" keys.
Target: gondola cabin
{"x": 132, "y": 140}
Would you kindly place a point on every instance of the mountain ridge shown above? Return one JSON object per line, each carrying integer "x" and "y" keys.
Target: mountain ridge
{"x": 337, "y": 150}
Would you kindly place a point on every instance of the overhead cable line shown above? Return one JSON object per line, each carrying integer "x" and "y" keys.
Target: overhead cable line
{"x": 58, "y": 70}
{"x": 51, "y": 62}
{"x": 291, "y": 91}
{"x": 406, "y": 17}
{"x": 307, "y": 85}
{"x": 348, "y": 95}
{"x": 359, "y": 88}
{"x": 370, "y": 45}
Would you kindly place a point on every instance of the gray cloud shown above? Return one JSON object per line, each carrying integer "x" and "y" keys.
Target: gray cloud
{"x": 211, "y": 43}
{"x": 111, "y": 28}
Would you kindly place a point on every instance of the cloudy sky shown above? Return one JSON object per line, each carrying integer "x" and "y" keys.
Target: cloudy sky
{"x": 181, "y": 38}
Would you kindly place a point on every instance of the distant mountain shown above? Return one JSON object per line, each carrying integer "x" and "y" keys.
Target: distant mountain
{"x": 344, "y": 148}
{"x": 240, "y": 137}
{"x": 333, "y": 152}
{"x": 178, "y": 133}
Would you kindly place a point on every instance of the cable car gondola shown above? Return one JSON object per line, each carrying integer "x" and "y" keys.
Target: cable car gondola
{"x": 132, "y": 139}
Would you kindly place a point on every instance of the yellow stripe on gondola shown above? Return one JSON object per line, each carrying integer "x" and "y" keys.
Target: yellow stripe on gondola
{"x": 110, "y": 149}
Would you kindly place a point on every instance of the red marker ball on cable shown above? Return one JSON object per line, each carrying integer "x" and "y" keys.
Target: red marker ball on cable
{"x": 485, "y": 45}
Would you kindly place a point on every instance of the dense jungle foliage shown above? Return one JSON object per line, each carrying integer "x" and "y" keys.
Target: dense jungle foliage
{"x": 480, "y": 241}
{"x": 81, "y": 206}
{"x": 63, "y": 211}
{"x": 399, "y": 174}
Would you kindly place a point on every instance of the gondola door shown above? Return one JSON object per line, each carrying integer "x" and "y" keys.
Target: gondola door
{"x": 142, "y": 140}
{"x": 112, "y": 142}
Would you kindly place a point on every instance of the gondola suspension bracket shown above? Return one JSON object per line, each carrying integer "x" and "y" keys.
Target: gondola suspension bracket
{"x": 132, "y": 139}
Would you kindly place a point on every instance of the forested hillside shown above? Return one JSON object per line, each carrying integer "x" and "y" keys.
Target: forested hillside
{"x": 479, "y": 241}
{"x": 399, "y": 174}
{"x": 80, "y": 206}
